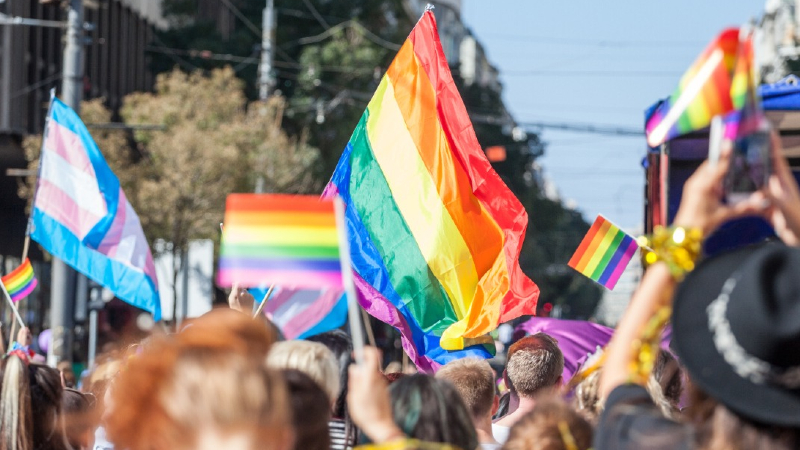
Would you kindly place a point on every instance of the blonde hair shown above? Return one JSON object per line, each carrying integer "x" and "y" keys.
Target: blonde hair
{"x": 16, "y": 424}
{"x": 473, "y": 378}
{"x": 587, "y": 400}
{"x": 312, "y": 358}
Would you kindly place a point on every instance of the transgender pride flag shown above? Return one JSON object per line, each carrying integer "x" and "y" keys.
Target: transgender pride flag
{"x": 81, "y": 215}
{"x": 302, "y": 313}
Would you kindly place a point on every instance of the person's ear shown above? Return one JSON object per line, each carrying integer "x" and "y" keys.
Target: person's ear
{"x": 560, "y": 381}
{"x": 495, "y": 405}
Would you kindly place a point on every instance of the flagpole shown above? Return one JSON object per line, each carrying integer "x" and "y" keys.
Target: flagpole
{"x": 28, "y": 227}
{"x": 368, "y": 326}
{"x": 353, "y": 307}
{"x": 264, "y": 301}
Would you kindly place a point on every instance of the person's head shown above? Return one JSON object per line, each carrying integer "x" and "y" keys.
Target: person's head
{"x": 77, "y": 409}
{"x": 551, "y": 425}
{"x": 431, "y": 410}
{"x": 30, "y": 406}
{"x": 534, "y": 366}
{"x": 65, "y": 367}
{"x": 664, "y": 386}
{"x": 668, "y": 376}
{"x": 195, "y": 390}
{"x": 311, "y": 358}
{"x": 736, "y": 322}
{"x": 473, "y": 378}
{"x": 233, "y": 329}
{"x": 340, "y": 344}
{"x": 309, "y": 420}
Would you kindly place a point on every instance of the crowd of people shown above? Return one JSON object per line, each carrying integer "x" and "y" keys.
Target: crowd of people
{"x": 228, "y": 381}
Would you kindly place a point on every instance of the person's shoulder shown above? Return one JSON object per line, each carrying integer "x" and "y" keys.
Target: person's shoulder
{"x": 631, "y": 419}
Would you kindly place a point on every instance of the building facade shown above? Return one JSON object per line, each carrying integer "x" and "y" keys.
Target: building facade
{"x": 116, "y": 63}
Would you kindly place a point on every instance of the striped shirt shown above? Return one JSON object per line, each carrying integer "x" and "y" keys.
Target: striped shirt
{"x": 338, "y": 433}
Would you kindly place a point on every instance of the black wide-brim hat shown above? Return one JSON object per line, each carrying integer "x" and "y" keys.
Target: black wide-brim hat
{"x": 736, "y": 329}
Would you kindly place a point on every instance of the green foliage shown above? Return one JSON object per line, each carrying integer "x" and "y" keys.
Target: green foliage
{"x": 328, "y": 71}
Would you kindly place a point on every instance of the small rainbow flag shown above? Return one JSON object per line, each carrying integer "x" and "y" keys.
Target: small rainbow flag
{"x": 21, "y": 281}
{"x": 289, "y": 240}
{"x": 604, "y": 253}
{"x": 704, "y": 92}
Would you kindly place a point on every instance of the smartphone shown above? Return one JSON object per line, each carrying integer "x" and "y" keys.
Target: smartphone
{"x": 750, "y": 166}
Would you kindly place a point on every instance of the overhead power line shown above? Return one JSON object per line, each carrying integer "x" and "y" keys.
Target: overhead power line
{"x": 567, "y": 126}
{"x": 586, "y": 128}
{"x": 595, "y": 42}
{"x": 591, "y": 73}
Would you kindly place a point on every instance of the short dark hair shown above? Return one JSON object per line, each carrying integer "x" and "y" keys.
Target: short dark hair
{"x": 534, "y": 363}
{"x": 473, "y": 378}
{"x": 431, "y": 410}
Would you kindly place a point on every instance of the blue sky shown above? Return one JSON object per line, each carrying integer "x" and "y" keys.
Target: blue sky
{"x": 599, "y": 62}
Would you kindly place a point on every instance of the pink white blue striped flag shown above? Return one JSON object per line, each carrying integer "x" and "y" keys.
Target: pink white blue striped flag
{"x": 81, "y": 215}
{"x": 302, "y": 313}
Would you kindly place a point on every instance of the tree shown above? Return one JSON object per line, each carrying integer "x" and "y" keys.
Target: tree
{"x": 209, "y": 148}
{"x": 212, "y": 143}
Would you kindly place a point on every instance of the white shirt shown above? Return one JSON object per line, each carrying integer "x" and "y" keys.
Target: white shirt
{"x": 500, "y": 433}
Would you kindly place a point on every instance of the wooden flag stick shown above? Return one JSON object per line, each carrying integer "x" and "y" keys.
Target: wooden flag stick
{"x": 26, "y": 246}
{"x": 264, "y": 301}
{"x": 368, "y": 326}
{"x": 349, "y": 287}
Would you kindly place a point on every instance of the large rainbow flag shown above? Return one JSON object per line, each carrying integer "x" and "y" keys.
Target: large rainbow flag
{"x": 434, "y": 233}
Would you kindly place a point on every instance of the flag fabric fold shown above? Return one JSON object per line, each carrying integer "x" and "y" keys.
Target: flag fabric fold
{"x": 81, "y": 215}
{"x": 21, "y": 281}
{"x": 434, "y": 233}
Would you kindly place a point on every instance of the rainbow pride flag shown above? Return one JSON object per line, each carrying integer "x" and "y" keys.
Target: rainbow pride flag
{"x": 434, "y": 233}
{"x": 21, "y": 281}
{"x": 604, "y": 253}
{"x": 704, "y": 92}
{"x": 289, "y": 240}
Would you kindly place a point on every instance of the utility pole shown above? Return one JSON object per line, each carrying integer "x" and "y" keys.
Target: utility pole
{"x": 62, "y": 292}
{"x": 5, "y": 77}
{"x": 265, "y": 70}
{"x": 265, "y": 81}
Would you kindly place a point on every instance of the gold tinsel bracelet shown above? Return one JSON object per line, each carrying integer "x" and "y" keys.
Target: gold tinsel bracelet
{"x": 679, "y": 248}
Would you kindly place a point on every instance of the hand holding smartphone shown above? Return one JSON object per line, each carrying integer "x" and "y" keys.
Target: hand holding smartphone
{"x": 750, "y": 165}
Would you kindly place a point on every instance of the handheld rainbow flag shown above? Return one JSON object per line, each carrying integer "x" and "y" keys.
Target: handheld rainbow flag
{"x": 434, "y": 233}
{"x": 21, "y": 281}
{"x": 289, "y": 240}
{"x": 705, "y": 90}
{"x": 604, "y": 253}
